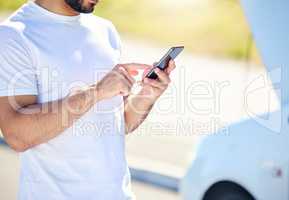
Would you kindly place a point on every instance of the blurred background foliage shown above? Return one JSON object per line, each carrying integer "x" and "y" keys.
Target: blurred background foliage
{"x": 208, "y": 27}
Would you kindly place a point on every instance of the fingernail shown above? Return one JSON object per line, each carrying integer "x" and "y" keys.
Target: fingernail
{"x": 134, "y": 72}
{"x": 157, "y": 70}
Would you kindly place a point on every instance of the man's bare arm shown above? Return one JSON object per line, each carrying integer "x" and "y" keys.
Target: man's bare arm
{"x": 137, "y": 108}
{"x": 30, "y": 124}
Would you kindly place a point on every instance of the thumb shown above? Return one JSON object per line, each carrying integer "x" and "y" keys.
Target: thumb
{"x": 146, "y": 71}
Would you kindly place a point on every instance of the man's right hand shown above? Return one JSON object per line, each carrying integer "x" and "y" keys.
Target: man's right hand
{"x": 119, "y": 80}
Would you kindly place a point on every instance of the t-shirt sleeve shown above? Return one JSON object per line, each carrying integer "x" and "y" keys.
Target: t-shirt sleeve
{"x": 115, "y": 39}
{"x": 17, "y": 68}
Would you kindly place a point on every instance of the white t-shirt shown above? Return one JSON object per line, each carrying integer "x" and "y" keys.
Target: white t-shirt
{"x": 46, "y": 54}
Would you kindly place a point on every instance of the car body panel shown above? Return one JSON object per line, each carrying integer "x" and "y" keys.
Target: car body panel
{"x": 250, "y": 155}
{"x": 268, "y": 20}
{"x": 254, "y": 153}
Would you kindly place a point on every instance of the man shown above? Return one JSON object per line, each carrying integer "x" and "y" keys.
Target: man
{"x": 66, "y": 103}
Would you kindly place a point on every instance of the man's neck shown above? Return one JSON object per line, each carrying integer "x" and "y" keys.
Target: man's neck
{"x": 57, "y": 6}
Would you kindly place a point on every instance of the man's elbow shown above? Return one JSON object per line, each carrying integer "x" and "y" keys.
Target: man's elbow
{"x": 17, "y": 145}
{"x": 15, "y": 142}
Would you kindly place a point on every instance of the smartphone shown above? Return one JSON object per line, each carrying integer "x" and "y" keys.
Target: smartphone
{"x": 164, "y": 62}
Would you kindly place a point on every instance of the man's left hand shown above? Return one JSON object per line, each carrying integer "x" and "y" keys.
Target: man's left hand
{"x": 153, "y": 89}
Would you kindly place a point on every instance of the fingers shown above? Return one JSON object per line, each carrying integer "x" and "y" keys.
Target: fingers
{"x": 171, "y": 67}
{"x": 168, "y": 70}
{"x": 155, "y": 83}
{"x": 135, "y": 66}
{"x": 126, "y": 81}
{"x": 163, "y": 76}
{"x": 126, "y": 75}
{"x": 125, "y": 87}
{"x": 149, "y": 69}
{"x": 132, "y": 68}
{"x": 146, "y": 71}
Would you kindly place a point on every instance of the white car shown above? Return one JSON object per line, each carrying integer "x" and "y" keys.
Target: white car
{"x": 252, "y": 160}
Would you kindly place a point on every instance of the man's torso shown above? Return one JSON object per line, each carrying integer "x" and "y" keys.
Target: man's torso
{"x": 87, "y": 161}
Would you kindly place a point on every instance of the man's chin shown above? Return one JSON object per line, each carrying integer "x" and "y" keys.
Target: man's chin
{"x": 76, "y": 6}
{"x": 87, "y": 10}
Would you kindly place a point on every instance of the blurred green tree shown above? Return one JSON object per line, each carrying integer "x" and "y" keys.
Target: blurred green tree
{"x": 10, "y": 5}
